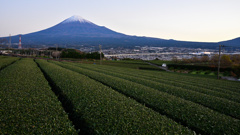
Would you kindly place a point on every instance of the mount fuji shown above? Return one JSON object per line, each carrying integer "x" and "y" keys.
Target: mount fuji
{"x": 77, "y": 31}
{"x": 76, "y": 26}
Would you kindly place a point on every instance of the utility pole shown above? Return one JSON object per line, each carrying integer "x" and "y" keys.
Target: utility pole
{"x": 100, "y": 48}
{"x": 56, "y": 51}
{"x": 219, "y": 59}
{"x": 20, "y": 42}
{"x": 9, "y": 42}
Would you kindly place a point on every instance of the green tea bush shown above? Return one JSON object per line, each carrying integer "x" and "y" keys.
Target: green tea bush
{"x": 27, "y": 103}
{"x": 195, "y": 116}
{"x": 106, "y": 111}
{"x": 5, "y": 61}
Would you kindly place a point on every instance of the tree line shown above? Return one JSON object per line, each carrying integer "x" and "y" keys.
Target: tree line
{"x": 226, "y": 61}
{"x": 72, "y": 53}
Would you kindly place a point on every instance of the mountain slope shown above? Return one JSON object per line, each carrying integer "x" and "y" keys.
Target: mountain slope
{"x": 76, "y": 31}
{"x": 77, "y": 26}
{"x": 233, "y": 42}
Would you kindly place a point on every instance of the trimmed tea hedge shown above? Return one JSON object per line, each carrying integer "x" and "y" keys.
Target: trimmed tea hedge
{"x": 106, "y": 111}
{"x": 195, "y": 116}
{"x": 209, "y": 83}
{"x": 160, "y": 80}
{"x": 27, "y": 103}
{"x": 220, "y": 86}
{"x": 219, "y": 104}
{"x": 5, "y": 61}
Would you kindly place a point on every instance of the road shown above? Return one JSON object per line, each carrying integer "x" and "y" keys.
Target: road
{"x": 163, "y": 68}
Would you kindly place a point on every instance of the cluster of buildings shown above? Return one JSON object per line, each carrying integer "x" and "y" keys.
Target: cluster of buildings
{"x": 162, "y": 53}
{"x": 137, "y": 52}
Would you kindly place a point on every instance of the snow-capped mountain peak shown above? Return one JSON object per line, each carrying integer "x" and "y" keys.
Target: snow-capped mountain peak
{"x": 76, "y": 18}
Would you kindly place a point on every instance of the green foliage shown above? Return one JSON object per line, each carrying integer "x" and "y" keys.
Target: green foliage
{"x": 28, "y": 105}
{"x": 236, "y": 70}
{"x": 2, "y": 56}
{"x": 118, "y": 99}
{"x": 5, "y": 61}
{"x": 208, "y": 72}
{"x": 54, "y": 48}
{"x": 171, "y": 68}
{"x": 94, "y": 55}
{"x": 72, "y": 53}
{"x": 186, "y": 92}
{"x": 228, "y": 64}
{"x": 193, "y": 115}
{"x": 215, "y": 87}
{"x": 226, "y": 61}
{"x": 196, "y": 67}
{"x": 160, "y": 62}
{"x": 105, "y": 110}
{"x": 134, "y": 64}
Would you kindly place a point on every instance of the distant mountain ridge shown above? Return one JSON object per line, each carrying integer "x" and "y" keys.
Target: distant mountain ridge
{"x": 76, "y": 31}
{"x": 233, "y": 42}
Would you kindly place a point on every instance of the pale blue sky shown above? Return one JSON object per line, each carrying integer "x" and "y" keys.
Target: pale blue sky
{"x": 189, "y": 20}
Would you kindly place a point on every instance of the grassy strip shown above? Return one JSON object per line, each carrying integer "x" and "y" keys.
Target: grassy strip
{"x": 4, "y": 62}
{"x": 106, "y": 111}
{"x": 197, "y": 117}
{"x": 28, "y": 105}
{"x": 219, "y": 104}
{"x": 129, "y": 74}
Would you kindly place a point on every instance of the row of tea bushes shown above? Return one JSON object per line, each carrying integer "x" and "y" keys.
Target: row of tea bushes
{"x": 195, "y": 116}
{"x": 233, "y": 96}
{"x": 5, "y": 61}
{"x": 219, "y": 104}
{"x": 104, "y": 110}
{"x": 27, "y": 103}
{"x": 223, "y": 86}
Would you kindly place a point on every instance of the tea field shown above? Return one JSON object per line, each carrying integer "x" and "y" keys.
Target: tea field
{"x": 127, "y": 97}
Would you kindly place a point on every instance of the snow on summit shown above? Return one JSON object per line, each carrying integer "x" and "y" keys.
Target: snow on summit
{"x": 76, "y": 18}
